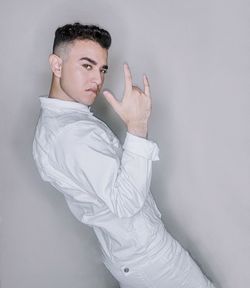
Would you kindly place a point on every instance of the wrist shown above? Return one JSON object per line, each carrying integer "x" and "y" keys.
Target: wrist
{"x": 138, "y": 129}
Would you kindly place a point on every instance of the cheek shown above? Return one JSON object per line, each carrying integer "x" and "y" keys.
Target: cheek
{"x": 80, "y": 75}
{"x": 72, "y": 77}
{"x": 67, "y": 74}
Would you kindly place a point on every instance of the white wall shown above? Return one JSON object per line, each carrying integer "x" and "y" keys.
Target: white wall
{"x": 196, "y": 54}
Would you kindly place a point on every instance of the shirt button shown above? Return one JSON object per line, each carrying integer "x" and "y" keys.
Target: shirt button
{"x": 126, "y": 270}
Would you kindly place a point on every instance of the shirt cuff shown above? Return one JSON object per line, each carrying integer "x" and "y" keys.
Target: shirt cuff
{"x": 141, "y": 146}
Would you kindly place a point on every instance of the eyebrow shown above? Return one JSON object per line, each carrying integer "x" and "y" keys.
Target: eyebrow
{"x": 93, "y": 62}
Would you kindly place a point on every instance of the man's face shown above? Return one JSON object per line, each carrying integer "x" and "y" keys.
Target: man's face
{"x": 82, "y": 71}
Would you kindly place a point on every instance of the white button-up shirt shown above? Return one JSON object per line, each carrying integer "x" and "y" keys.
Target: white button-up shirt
{"x": 105, "y": 185}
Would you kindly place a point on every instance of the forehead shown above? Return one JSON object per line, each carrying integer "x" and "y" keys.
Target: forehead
{"x": 88, "y": 48}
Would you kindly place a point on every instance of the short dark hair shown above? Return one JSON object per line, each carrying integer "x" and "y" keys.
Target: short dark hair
{"x": 70, "y": 32}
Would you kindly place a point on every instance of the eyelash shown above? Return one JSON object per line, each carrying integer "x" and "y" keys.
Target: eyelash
{"x": 89, "y": 68}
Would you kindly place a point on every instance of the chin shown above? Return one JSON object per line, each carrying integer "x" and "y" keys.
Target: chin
{"x": 87, "y": 102}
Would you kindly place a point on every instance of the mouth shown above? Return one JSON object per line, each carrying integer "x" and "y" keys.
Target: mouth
{"x": 92, "y": 90}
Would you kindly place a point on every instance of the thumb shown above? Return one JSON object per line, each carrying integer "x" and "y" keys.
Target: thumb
{"x": 111, "y": 100}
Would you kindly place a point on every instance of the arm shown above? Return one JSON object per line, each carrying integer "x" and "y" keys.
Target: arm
{"x": 91, "y": 160}
{"x": 91, "y": 163}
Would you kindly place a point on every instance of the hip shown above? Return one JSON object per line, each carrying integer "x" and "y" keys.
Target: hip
{"x": 172, "y": 267}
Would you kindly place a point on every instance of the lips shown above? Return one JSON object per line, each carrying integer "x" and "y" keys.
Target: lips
{"x": 93, "y": 90}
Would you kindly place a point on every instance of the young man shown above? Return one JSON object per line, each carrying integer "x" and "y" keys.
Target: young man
{"x": 105, "y": 185}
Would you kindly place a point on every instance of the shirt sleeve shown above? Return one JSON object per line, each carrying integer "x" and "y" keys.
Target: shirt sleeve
{"x": 93, "y": 162}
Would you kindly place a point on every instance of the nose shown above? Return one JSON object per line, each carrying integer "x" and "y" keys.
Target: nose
{"x": 97, "y": 77}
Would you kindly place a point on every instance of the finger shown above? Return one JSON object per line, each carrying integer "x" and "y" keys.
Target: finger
{"x": 127, "y": 78}
{"x": 111, "y": 100}
{"x": 146, "y": 85}
{"x": 135, "y": 88}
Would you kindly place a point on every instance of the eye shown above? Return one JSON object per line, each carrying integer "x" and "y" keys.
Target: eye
{"x": 87, "y": 67}
{"x": 104, "y": 71}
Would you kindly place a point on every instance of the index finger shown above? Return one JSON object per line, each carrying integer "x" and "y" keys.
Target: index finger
{"x": 146, "y": 85}
{"x": 127, "y": 78}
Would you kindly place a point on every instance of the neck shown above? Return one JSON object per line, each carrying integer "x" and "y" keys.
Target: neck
{"x": 56, "y": 90}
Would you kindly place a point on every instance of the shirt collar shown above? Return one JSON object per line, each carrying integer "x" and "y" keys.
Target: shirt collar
{"x": 62, "y": 105}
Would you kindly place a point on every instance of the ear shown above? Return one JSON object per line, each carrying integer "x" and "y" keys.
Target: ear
{"x": 55, "y": 65}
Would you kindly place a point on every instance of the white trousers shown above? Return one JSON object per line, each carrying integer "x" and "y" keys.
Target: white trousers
{"x": 171, "y": 268}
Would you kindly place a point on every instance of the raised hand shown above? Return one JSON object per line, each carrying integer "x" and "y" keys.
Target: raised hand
{"x": 135, "y": 107}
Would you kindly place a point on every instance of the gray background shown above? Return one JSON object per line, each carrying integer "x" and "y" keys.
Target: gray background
{"x": 196, "y": 54}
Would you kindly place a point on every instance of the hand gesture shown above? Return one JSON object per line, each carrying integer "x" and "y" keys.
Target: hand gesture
{"x": 135, "y": 107}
